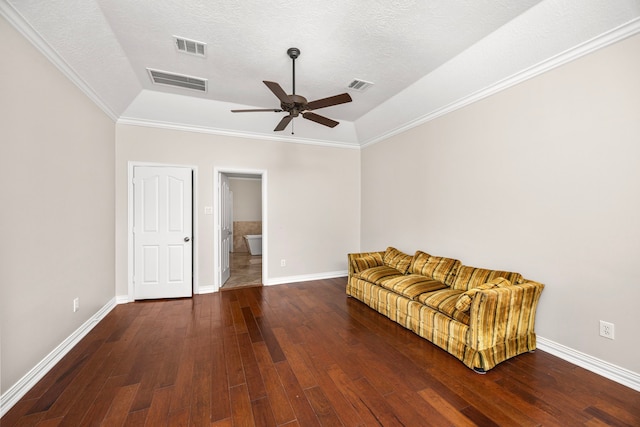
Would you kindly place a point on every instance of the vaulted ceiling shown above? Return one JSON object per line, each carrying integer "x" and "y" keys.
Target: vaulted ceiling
{"x": 424, "y": 58}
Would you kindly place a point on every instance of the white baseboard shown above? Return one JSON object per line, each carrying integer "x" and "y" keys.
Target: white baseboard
{"x": 207, "y": 289}
{"x": 122, "y": 299}
{"x": 305, "y": 277}
{"x": 20, "y": 388}
{"x": 590, "y": 363}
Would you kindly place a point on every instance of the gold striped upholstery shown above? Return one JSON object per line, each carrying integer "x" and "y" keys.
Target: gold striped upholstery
{"x": 445, "y": 302}
{"x": 411, "y": 285}
{"x": 397, "y": 259}
{"x": 438, "y": 268}
{"x": 502, "y": 322}
{"x": 352, "y": 257}
{"x": 375, "y": 274}
{"x": 366, "y": 261}
{"x": 464, "y": 300}
{"x": 498, "y": 325}
{"x": 470, "y": 277}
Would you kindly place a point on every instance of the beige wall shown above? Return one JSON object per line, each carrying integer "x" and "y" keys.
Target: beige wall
{"x": 247, "y": 210}
{"x": 247, "y": 199}
{"x": 57, "y": 220}
{"x": 544, "y": 179}
{"x": 312, "y": 204}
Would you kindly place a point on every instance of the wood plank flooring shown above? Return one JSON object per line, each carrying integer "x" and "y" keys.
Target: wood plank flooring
{"x": 299, "y": 355}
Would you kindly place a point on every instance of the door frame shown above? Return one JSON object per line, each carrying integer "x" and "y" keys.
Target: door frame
{"x": 217, "y": 172}
{"x": 130, "y": 219}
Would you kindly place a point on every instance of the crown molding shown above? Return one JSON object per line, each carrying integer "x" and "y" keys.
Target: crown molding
{"x": 615, "y": 35}
{"x": 20, "y": 24}
{"x": 132, "y": 121}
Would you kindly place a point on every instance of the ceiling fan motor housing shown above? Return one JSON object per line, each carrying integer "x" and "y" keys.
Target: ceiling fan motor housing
{"x": 299, "y": 105}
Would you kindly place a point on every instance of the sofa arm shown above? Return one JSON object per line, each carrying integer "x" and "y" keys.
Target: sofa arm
{"x": 351, "y": 257}
{"x": 501, "y": 316}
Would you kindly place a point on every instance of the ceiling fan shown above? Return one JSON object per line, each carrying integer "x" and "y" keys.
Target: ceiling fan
{"x": 296, "y": 104}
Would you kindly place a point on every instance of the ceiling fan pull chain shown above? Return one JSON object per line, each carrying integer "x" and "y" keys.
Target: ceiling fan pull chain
{"x": 293, "y": 125}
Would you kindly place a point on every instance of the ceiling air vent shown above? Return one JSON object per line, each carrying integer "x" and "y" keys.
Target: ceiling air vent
{"x": 359, "y": 85}
{"x": 190, "y": 46}
{"x": 177, "y": 80}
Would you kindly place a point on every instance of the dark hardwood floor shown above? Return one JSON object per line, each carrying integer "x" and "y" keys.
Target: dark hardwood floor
{"x": 299, "y": 355}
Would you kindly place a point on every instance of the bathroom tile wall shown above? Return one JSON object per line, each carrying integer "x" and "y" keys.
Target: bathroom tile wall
{"x": 242, "y": 228}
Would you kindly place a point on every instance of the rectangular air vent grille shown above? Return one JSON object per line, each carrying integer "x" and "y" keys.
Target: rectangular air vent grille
{"x": 190, "y": 46}
{"x": 359, "y": 85}
{"x": 177, "y": 80}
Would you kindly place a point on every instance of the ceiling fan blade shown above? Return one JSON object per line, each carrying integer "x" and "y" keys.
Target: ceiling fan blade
{"x": 328, "y": 102}
{"x": 320, "y": 119}
{"x": 273, "y": 110}
{"x": 278, "y": 91}
{"x": 283, "y": 123}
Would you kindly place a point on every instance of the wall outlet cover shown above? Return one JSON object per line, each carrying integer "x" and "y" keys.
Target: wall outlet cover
{"x": 606, "y": 329}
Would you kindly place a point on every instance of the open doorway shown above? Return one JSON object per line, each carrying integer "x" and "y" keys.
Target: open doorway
{"x": 241, "y": 231}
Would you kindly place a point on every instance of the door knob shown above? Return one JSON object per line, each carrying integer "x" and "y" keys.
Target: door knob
{"x": 186, "y": 239}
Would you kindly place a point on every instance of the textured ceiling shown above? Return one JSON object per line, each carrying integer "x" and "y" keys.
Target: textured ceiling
{"x": 421, "y": 55}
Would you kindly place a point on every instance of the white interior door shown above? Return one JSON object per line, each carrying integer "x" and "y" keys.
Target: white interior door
{"x": 162, "y": 232}
{"x": 226, "y": 235}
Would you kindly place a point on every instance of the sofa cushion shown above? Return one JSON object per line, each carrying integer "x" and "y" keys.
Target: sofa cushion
{"x": 438, "y": 268}
{"x": 411, "y": 285}
{"x": 472, "y": 277}
{"x": 397, "y": 259}
{"x": 464, "y": 300}
{"x": 376, "y": 274}
{"x": 444, "y": 301}
{"x": 366, "y": 261}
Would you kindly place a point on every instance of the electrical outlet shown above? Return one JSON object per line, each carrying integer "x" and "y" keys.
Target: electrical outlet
{"x": 76, "y": 304}
{"x": 283, "y": 263}
{"x": 606, "y": 329}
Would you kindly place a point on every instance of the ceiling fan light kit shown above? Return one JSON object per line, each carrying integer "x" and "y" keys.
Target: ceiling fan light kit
{"x": 296, "y": 105}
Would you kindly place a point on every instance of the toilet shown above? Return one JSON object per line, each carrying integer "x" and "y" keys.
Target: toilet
{"x": 254, "y": 243}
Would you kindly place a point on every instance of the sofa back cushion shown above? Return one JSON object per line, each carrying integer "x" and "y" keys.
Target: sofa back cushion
{"x": 472, "y": 277}
{"x": 396, "y": 259}
{"x": 438, "y": 268}
{"x": 365, "y": 261}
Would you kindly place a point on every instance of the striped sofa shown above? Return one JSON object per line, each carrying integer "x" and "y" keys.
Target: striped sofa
{"x": 480, "y": 316}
